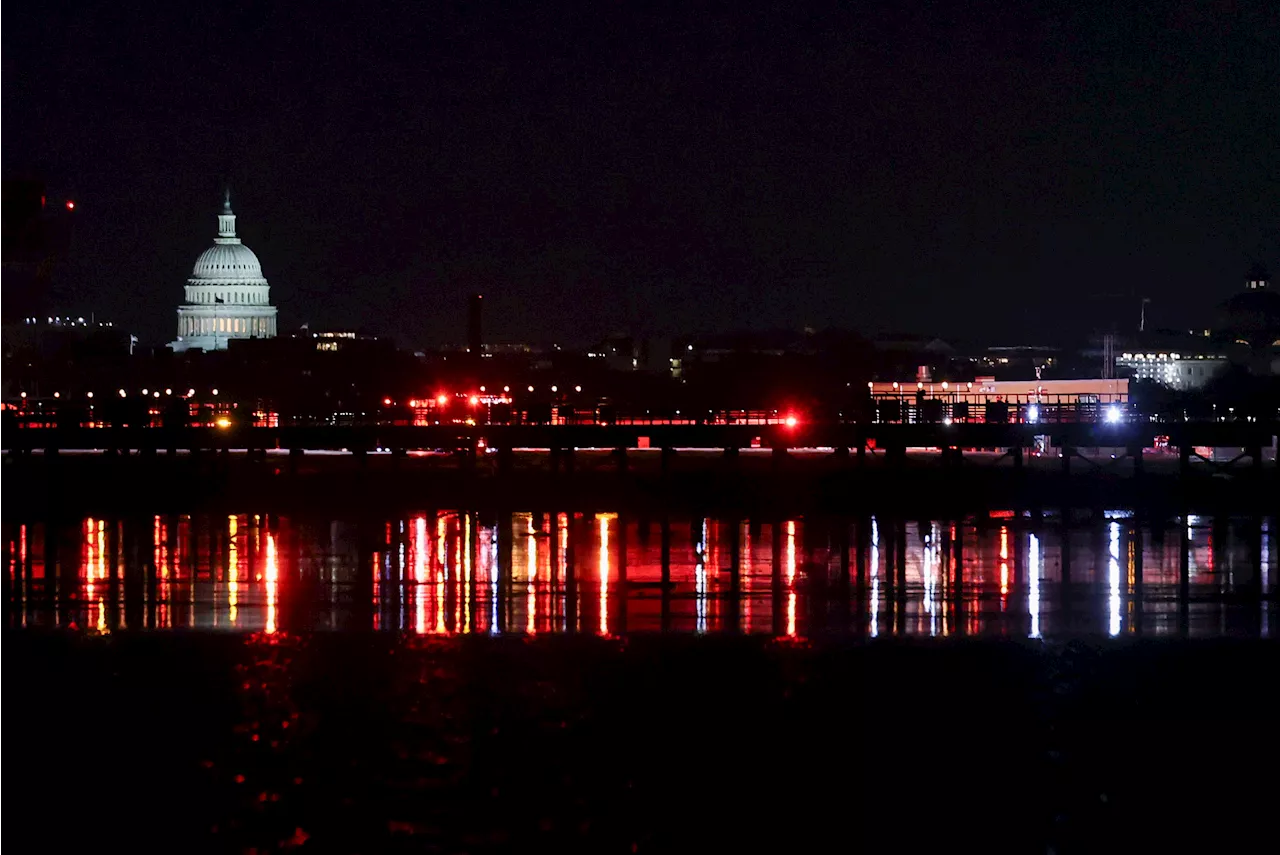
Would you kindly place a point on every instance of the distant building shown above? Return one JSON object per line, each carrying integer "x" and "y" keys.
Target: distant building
{"x": 227, "y": 296}
{"x": 1174, "y": 370}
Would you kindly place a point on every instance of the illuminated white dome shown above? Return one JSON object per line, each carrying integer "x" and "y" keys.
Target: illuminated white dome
{"x": 231, "y": 262}
{"x": 227, "y": 296}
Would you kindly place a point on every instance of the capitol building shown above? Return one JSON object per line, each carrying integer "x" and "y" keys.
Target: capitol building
{"x": 227, "y": 296}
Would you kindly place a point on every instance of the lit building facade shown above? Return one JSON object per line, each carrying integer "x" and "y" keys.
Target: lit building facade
{"x": 227, "y": 297}
{"x": 1175, "y": 370}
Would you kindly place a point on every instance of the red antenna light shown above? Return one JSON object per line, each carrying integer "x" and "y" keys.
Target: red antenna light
{"x": 71, "y": 206}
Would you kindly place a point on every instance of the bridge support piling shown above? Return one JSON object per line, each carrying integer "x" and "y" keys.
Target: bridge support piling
{"x": 1136, "y": 543}
{"x": 775, "y": 578}
{"x": 133, "y": 575}
{"x": 900, "y": 565}
{"x": 666, "y": 569}
{"x": 570, "y": 575}
{"x": 1065, "y": 535}
{"x": 113, "y": 573}
{"x": 864, "y": 545}
{"x": 5, "y": 577}
{"x": 1184, "y": 574}
{"x": 957, "y": 577}
{"x": 52, "y": 566}
{"x": 620, "y": 598}
{"x": 890, "y": 541}
{"x": 735, "y": 575}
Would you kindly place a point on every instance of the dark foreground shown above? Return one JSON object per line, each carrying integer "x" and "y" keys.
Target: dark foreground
{"x": 353, "y": 742}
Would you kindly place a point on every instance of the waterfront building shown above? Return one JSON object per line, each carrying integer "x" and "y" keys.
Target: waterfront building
{"x": 1182, "y": 371}
{"x": 227, "y": 297}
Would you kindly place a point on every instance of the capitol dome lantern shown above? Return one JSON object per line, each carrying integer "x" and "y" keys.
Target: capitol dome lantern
{"x": 227, "y": 297}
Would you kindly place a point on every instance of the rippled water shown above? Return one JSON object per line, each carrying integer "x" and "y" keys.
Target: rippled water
{"x": 454, "y": 573}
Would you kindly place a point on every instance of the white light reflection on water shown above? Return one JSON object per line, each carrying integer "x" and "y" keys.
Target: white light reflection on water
{"x": 1264, "y": 579}
{"x": 531, "y": 575}
{"x": 441, "y": 572}
{"x": 562, "y": 523}
{"x": 700, "y": 580}
{"x": 1113, "y": 566}
{"x": 874, "y": 570}
{"x": 1033, "y": 579}
{"x": 419, "y": 574}
{"x": 791, "y": 577}
{"x": 929, "y": 576}
{"x": 494, "y": 571}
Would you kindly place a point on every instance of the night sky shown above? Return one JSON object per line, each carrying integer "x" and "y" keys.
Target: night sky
{"x": 1008, "y": 171}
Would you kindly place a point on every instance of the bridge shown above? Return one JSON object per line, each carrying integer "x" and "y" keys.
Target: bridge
{"x": 839, "y": 439}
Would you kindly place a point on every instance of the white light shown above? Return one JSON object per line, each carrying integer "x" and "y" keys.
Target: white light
{"x": 122, "y": 393}
{"x": 947, "y": 421}
{"x": 190, "y": 392}
{"x": 155, "y": 394}
{"x": 57, "y": 394}
{"x": 168, "y": 391}
{"x": 90, "y": 394}
{"x": 530, "y": 388}
{"x": 1113, "y": 414}
{"x": 577, "y": 388}
{"x": 1033, "y": 413}
{"x": 215, "y": 391}
{"x": 145, "y": 392}
{"x": 555, "y": 388}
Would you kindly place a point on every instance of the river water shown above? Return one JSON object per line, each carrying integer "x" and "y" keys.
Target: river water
{"x": 456, "y": 573}
{"x": 555, "y": 681}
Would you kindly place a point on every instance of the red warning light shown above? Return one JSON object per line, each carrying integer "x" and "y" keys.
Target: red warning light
{"x": 792, "y": 421}
{"x": 474, "y": 400}
{"x": 386, "y": 402}
{"x": 71, "y": 206}
{"x": 442, "y": 399}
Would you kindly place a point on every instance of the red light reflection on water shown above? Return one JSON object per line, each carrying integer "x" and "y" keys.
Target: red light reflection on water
{"x": 450, "y": 585}
{"x": 273, "y": 577}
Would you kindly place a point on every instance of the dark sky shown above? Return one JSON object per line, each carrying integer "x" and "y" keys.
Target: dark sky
{"x": 1003, "y": 170}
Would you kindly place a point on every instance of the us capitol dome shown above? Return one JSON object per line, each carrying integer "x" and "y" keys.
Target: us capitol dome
{"x": 227, "y": 296}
